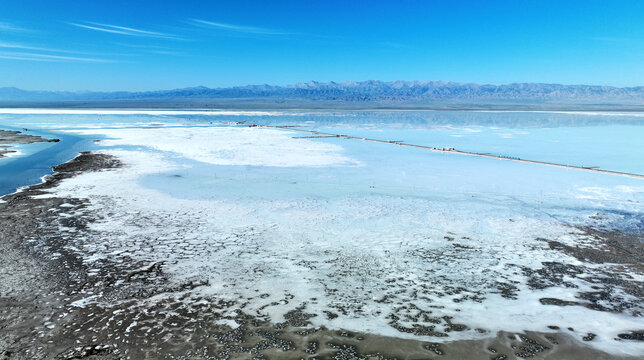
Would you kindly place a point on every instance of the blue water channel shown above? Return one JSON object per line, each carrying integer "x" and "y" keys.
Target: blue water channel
{"x": 36, "y": 160}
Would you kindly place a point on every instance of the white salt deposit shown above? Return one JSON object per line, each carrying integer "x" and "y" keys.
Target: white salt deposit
{"x": 135, "y": 112}
{"x": 229, "y": 146}
{"x": 11, "y": 153}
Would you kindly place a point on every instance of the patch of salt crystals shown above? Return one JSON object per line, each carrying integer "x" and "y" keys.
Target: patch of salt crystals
{"x": 28, "y": 111}
{"x": 229, "y": 145}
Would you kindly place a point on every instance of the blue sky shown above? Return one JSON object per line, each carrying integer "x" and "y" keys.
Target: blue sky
{"x": 145, "y": 45}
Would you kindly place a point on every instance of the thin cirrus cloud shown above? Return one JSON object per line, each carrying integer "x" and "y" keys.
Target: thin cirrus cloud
{"x": 15, "y": 46}
{"x": 16, "y": 51}
{"x": 237, "y": 28}
{"x": 29, "y": 56}
{"x": 5, "y": 26}
{"x": 123, "y": 30}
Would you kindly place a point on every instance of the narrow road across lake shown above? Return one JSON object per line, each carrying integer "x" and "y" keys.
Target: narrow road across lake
{"x": 450, "y": 150}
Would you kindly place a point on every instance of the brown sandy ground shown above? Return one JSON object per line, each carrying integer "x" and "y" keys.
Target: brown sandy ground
{"x": 143, "y": 315}
{"x": 8, "y": 138}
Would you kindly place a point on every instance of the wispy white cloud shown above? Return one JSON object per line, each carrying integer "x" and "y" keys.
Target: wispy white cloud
{"x": 123, "y": 30}
{"x": 5, "y": 26}
{"x": 12, "y": 46}
{"x": 141, "y": 46}
{"x": 132, "y": 30}
{"x": 165, "y": 52}
{"x": 238, "y": 28}
{"x": 21, "y": 46}
{"x": 143, "y": 49}
{"x": 28, "y": 56}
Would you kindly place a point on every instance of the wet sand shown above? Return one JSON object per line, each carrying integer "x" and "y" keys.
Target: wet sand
{"x": 44, "y": 284}
{"x": 9, "y": 138}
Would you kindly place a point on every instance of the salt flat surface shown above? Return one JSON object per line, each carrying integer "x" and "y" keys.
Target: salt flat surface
{"x": 232, "y": 146}
{"x": 133, "y": 112}
{"x": 390, "y": 241}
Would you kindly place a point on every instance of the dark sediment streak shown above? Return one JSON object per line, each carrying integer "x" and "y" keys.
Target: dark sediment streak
{"x": 43, "y": 315}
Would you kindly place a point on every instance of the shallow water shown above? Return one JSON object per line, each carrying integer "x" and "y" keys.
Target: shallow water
{"x": 33, "y": 161}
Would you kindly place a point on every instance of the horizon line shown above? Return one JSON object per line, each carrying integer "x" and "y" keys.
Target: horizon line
{"x": 326, "y": 82}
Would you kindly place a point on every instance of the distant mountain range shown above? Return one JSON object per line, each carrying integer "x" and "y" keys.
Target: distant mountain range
{"x": 351, "y": 94}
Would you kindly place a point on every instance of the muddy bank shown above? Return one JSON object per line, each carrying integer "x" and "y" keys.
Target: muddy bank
{"x": 54, "y": 305}
{"x": 9, "y": 138}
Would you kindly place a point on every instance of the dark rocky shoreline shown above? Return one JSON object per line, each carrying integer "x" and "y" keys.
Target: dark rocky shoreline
{"x": 44, "y": 315}
{"x": 9, "y": 138}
